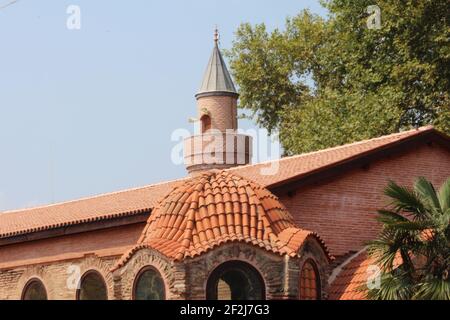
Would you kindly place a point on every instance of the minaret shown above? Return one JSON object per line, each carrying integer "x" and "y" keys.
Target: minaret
{"x": 218, "y": 145}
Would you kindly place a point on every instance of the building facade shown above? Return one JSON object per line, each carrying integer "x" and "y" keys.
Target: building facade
{"x": 228, "y": 230}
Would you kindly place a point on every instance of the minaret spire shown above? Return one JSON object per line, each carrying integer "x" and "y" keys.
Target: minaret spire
{"x": 219, "y": 144}
{"x": 216, "y": 36}
{"x": 216, "y": 80}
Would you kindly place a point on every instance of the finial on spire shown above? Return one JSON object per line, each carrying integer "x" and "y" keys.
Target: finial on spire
{"x": 216, "y": 35}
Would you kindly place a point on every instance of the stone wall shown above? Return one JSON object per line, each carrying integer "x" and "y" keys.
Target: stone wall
{"x": 60, "y": 278}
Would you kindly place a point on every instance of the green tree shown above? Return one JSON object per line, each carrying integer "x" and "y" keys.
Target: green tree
{"x": 416, "y": 228}
{"x": 328, "y": 81}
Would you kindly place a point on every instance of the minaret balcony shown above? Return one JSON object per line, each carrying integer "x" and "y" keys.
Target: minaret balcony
{"x": 217, "y": 150}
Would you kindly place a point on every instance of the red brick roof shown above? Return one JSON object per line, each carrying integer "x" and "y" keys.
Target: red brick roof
{"x": 133, "y": 201}
{"x": 215, "y": 208}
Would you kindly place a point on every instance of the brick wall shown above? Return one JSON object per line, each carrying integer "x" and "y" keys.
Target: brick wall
{"x": 222, "y": 110}
{"x": 342, "y": 210}
{"x": 71, "y": 246}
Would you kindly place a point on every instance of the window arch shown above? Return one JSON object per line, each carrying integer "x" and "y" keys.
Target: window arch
{"x": 235, "y": 280}
{"x": 206, "y": 122}
{"x": 149, "y": 285}
{"x": 34, "y": 290}
{"x": 92, "y": 287}
{"x": 309, "y": 281}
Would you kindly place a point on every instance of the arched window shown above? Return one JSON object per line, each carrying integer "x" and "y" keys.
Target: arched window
{"x": 206, "y": 122}
{"x": 149, "y": 285}
{"x": 309, "y": 281}
{"x": 235, "y": 280}
{"x": 34, "y": 290}
{"x": 92, "y": 287}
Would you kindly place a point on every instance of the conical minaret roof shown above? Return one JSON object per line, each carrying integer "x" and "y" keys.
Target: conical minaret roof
{"x": 217, "y": 79}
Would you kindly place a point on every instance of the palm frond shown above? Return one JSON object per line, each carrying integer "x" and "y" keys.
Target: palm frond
{"x": 444, "y": 195}
{"x": 433, "y": 289}
{"x": 426, "y": 191}
{"x": 393, "y": 286}
{"x": 390, "y": 217}
{"x": 405, "y": 199}
{"x": 413, "y": 225}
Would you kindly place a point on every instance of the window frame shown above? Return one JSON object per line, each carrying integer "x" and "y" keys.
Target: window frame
{"x": 87, "y": 273}
{"x": 313, "y": 264}
{"x": 139, "y": 275}
{"x": 29, "y": 283}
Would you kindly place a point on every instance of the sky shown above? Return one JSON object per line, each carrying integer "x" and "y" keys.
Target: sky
{"x": 92, "y": 110}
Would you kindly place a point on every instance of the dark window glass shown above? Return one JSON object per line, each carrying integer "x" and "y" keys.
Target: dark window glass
{"x": 92, "y": 287}
{"x": 309, "y": 282}
{"x": 149, "y": 285}
{"x": 235, "y": 280}
{"x": 34, "y": 290}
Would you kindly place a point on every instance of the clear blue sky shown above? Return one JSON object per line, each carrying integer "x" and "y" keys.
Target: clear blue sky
{"x": 92, "y": 111}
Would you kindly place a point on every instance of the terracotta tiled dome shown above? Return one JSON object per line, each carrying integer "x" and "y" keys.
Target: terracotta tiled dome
{"x": 215, "y": 208}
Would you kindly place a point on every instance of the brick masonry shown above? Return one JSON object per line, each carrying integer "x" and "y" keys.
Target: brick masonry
{"x": 183, "y": 280}
{"x": 222, "y": 110}
{"x": 342, "y": 210}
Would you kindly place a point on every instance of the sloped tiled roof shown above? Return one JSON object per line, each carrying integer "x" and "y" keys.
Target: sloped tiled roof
{"x": 295, "y": 167}
{"x": 107, "y": 206}
{"x": 137, "y": 200}
{"x": 219, "y": 207}
{"x": 351, "y": 281}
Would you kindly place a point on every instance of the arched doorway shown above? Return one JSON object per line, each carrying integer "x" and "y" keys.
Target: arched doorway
{"x": 206, "y": 123}
{"x": 309, "y": 282}
{"x": 235, "y": 280}
{"x": 92, "y": 287}
{"x": 149, "y": 285}
{"x": 34, "y": 290}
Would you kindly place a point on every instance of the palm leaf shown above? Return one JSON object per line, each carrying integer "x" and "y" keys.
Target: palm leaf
{"x": 390, "y": 217}
{"x": 394, "y": 285}
{"x": 404, "y": 199}
{"x": 433, "y": 289}
{"x": 426, "y": 191}
{"x": 444, "y": 195}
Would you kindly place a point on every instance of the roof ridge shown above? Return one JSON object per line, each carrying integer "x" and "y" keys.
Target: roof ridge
{"x": 420, "y": 129}
{"x": 91, "y": 197}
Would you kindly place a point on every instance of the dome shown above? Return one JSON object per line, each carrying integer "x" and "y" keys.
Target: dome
{"x": 219, "y": 207}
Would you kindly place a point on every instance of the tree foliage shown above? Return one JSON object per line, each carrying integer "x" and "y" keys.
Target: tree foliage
{"x": 328, "y": 81}
{"x": 416, "y": 228}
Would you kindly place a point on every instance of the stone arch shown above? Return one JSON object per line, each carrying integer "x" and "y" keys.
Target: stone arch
{"x": 140, "y": 274}
{"x": 29, "y": 283}
{"x": 199, "y": 269}
{"x": 36, "y": 272}
{"x": 94, "y": 275}
{"x": 125, "y": 277}
{"x": 241, "y": 280}
{"x": 92, "y": 263}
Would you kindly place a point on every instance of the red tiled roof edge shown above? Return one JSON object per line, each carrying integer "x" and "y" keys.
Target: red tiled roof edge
{"x": 74, "y": 222}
